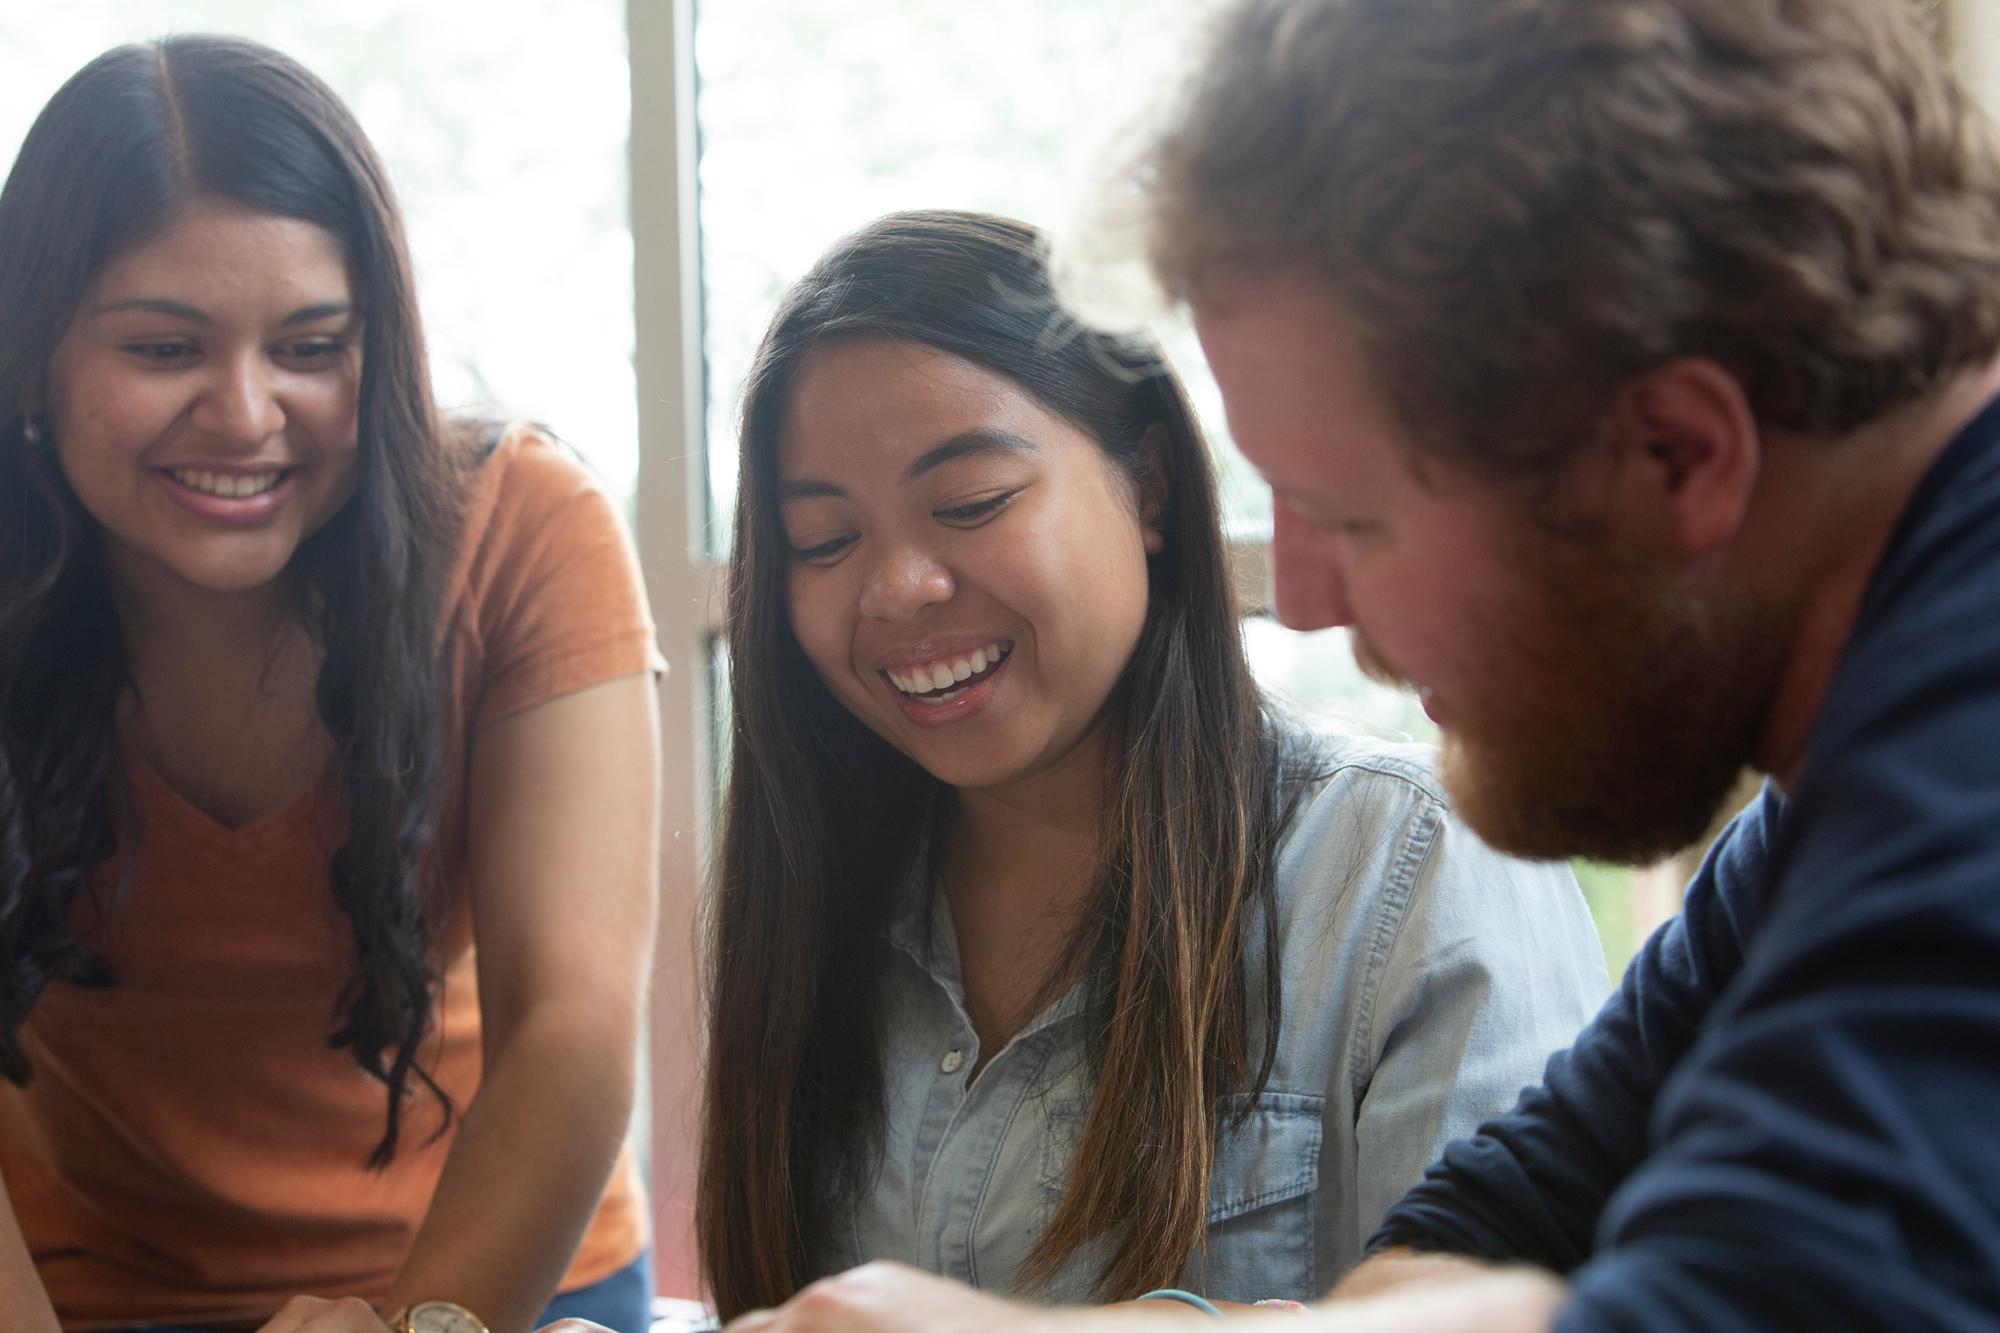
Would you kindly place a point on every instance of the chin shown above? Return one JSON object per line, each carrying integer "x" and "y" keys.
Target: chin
{"x": 1622, "y": 811}
{"x": 963, "y": 776}
{"x": 229, "y": 580}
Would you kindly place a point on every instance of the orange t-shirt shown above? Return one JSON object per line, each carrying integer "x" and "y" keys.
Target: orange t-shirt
{"x": 190, "y": 1148}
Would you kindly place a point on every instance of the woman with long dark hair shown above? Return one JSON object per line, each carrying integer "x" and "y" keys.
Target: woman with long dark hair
{"x": 302, "y": 693}
{"x": 1043, "y": 954}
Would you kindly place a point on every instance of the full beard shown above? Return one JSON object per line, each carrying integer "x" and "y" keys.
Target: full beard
{"x": 1617, "y": 718}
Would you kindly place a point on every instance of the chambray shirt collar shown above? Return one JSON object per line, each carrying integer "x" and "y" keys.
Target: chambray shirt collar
{"x": 935, "y": 951}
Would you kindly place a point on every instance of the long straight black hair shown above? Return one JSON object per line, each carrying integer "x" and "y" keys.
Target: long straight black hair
{"x": 113, "y": 160}
{"x": 823, "y": 820}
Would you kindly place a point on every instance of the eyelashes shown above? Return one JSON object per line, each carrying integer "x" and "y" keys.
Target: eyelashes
{"x": 977, "y": 509}
{"x": 968, "y": 515}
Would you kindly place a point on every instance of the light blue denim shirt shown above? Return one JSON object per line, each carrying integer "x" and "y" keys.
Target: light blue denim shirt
{"x": 1426, "y": 980}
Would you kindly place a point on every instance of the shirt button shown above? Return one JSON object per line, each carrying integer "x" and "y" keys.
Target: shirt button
{"x": 951, "y": 1062}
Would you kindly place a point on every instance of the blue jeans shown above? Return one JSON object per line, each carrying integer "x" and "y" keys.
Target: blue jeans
{"x": 622, "y": 1303}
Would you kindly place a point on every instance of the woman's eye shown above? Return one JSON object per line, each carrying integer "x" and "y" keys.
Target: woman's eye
{"x": 312, "y": 350}
{"x": 975, "y": 510}
{"x": 164, "y": 353}
{"x": 825, "y": 552}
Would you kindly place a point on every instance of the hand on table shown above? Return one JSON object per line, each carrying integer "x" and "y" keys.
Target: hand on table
{"x": 311, "y": 1314}
{"x": 889, "y": 1298}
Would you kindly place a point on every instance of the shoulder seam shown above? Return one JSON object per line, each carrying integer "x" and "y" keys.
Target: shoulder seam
{"x": 1389, "y": 922}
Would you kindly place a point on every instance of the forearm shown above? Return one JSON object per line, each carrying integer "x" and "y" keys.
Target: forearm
{"x": 892, "y": 1298}
{"x": 24, "y": 1302}
{"x": 1413, "y": 1293}
{"x": 1395, "y": 1268}
{"x": 526, "y": 1170}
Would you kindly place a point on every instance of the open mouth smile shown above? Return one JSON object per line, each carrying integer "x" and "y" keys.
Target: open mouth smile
{"x": 947, "y": 678}
{"x": 228, "y": 485}
{"x": 237, "y": 497}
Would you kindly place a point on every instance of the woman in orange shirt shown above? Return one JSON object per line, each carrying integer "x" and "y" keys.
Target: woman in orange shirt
{"x": 301, "y": 693}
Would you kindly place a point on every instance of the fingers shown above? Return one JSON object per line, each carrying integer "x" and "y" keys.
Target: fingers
{"x": 884, "y": 1297}
{"x": 313, "y": 1314}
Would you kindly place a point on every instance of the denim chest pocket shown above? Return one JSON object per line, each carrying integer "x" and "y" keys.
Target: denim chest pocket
{"x": 1262, "y": 1195}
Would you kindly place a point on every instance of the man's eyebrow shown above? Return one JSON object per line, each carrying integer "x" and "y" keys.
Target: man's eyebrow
{"x": 978, "y": 440}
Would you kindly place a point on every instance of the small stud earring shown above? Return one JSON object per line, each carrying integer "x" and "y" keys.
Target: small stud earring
{"x": 31, "y": 429}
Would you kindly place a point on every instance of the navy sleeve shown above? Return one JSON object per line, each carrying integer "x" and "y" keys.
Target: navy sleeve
{"x": 1828, "y": 1155}
{"x": 1820, "y": 1148}
{"x": 1532, "y": 1184}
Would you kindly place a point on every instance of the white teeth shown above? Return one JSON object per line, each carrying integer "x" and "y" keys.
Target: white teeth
{"x": 934, "y": 676}
{"x": 227, "y": 485}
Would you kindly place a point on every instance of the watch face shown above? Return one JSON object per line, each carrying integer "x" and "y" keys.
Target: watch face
{"x": 442, "y": 1317}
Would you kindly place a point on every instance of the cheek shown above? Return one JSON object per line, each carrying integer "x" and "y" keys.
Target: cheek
{"x": 818, "y": 623}
{"x": 1089, "y": 543}
{"x": 111, "y": 416}
{"x": 342, "y": 461}
{"x": 328, "y": 415}
{"x": 1308, "y": 586}
{"x": 99, "y": 447}
{"x": 338, "y": 411}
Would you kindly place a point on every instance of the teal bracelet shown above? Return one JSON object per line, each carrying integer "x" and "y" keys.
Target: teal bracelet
{"x": 1206, "y": 1306}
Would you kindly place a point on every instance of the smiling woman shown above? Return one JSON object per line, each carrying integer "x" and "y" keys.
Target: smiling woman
{"x": 1044, "y": 954}
{"x": 930, "y": 455}
{"x": 241, "y": 322}
{"x": 303, "y": 692}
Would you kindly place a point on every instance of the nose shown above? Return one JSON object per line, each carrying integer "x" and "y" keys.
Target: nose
{"x": 240, "y": 403}
{"x": 902, "y": 581}
{"x": 1308, "y": 585}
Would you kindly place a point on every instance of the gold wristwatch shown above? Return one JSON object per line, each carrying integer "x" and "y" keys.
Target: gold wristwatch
{"x": 435, "y": 1317}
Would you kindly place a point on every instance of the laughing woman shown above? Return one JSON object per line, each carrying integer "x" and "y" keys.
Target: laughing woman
{"x": 1044, "y": 955}
{"x": 302, "y": 694}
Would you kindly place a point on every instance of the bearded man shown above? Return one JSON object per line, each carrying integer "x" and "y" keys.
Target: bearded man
{"x": 1624, "y": 372}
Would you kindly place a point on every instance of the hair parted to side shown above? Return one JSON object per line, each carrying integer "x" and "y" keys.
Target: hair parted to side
{"x": 113, "y": 160}
{"x": 823, "y": 822}
{"x": 1522, "y": 202}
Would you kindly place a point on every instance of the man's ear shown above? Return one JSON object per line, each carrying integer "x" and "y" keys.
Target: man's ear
{"x": 1156, "y": 488}
{"x": 1688, "y": 450}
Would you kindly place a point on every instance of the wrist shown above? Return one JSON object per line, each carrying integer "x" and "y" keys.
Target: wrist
{"x": 434, "y": 1317}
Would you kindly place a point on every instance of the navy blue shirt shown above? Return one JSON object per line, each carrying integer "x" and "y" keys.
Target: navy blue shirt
{"x": 1788, "y": 1116}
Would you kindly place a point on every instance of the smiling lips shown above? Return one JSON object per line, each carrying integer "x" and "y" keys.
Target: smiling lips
{"x": 227, "y": 485}
{"x": 948, "y": 677}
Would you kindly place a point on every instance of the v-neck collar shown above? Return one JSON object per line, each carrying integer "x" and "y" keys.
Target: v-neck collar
{"x": 158, "y": 796}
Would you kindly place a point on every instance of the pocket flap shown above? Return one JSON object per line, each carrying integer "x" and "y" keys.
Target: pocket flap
{"x": 1270, "y": 1156}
